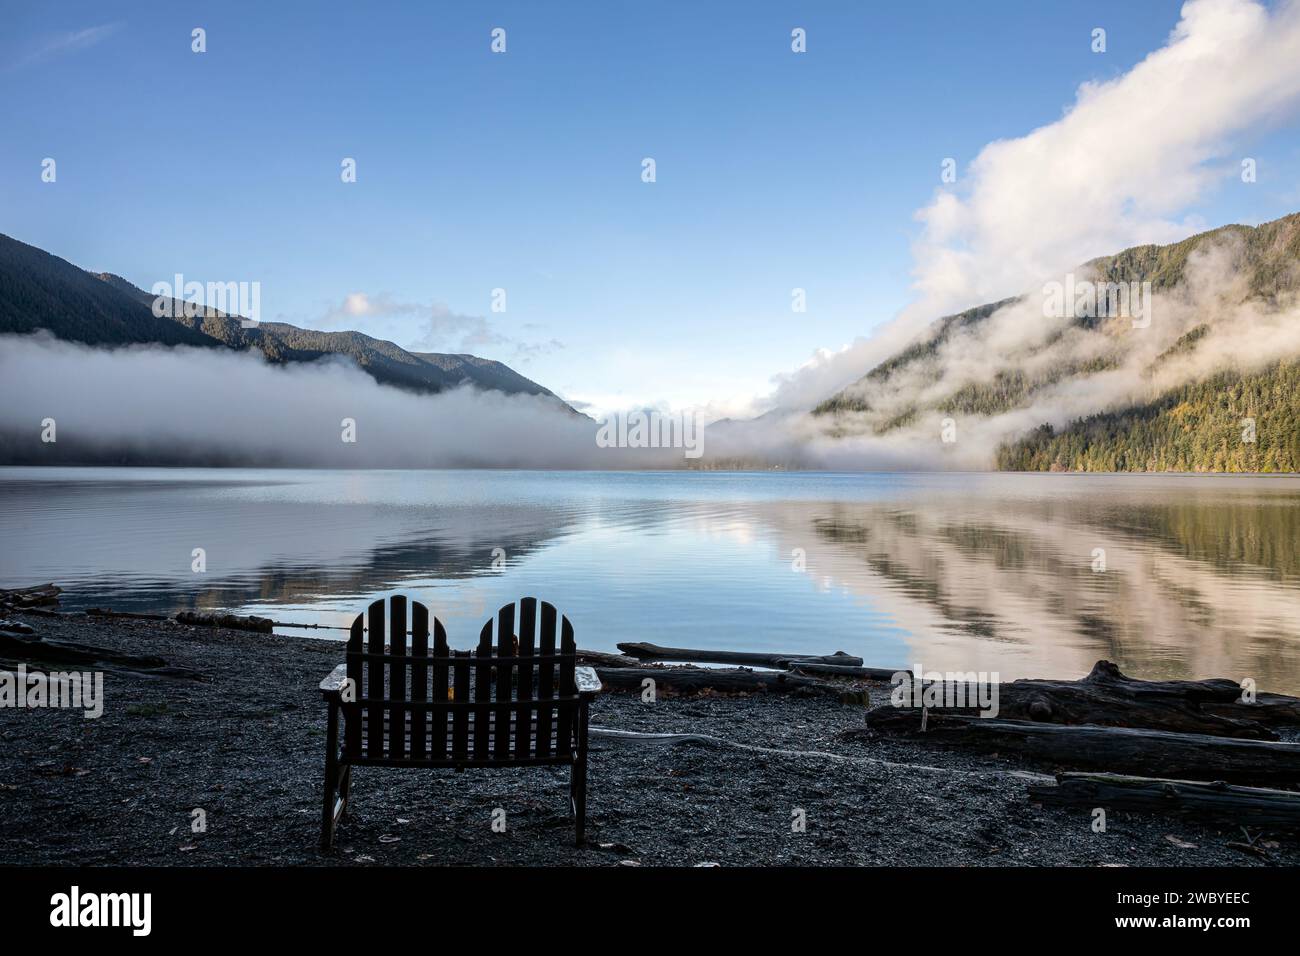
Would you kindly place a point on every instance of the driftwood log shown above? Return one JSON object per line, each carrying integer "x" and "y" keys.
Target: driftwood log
{"x": 260, "y": 625}
{"x": 1088, "y": 747}
{"x": 693, "y": 680}
{"x": 602, "y": 659}
{"x": 653, "y": 652}
{"x": 39, "y": 596}
{"x": 841, "y": 670}
{"x": 1245, "y": 805}
{"x": 1109, "y": 698}
{"x": 38, "y": 652}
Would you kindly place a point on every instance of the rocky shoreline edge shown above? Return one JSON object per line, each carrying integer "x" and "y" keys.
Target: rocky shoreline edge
{"x": 229, "y": 723}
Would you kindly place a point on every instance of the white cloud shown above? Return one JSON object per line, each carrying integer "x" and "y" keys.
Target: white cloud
{"x": 66, "y": 43}
{"x": 1122, "y": 164}
{"x": 1120, "y": 168}
{"x": 438, "y": 329}
{"x": 216, "y": 404}
{"x": 360, "y": 305}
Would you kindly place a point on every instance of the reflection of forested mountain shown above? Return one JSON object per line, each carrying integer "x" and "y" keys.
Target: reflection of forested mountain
{"x": 1189, "y": 588}
{"x": 388, "y": 566}
{"x": 268, "y": 548}
{"x": 1261, "y": 532}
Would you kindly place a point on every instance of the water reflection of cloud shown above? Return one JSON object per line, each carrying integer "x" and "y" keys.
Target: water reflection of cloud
{"x": 959, "y": 572}
{"x": 987, "y": 584}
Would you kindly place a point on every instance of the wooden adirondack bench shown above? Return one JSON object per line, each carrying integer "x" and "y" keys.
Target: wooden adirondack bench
{"x": 515, "y": 701}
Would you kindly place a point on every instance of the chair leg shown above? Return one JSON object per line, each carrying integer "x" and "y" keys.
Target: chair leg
{"x": 345, "y": 789}
{"x": 327, "y": 810}
{"x": 578, "y": 799}
{"x": 578, "y": 780}
{"x": 331, "y": 779}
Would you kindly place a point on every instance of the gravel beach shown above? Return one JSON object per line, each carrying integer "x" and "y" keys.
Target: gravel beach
{"x": 246, "y": 744}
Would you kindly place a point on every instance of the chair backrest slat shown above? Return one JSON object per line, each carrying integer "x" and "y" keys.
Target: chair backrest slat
{"x": 563, "y": 719}
{"x": 483, "y": 692}
{"x": 545, "y": 675}
{"x": 397, "y": 677}
{"x": 569, "y": 659}
{"x": 527, "y": 639}
{"x": 355, "y": 671}
{"x": 438, "y": 718}
{"x": 419, "y": 678}
{"x": 375, "y": 680}
{"x": 496, "y": 704}
{"x": 505, "y": 673}
{"x": 460, "y": 715}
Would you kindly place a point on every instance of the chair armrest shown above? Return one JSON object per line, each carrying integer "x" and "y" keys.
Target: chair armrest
{"x": 334, "y": 683}
{"x": 586, "y": 680}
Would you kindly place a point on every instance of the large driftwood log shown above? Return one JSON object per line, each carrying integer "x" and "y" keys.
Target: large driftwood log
{"x": 1087, "y": 747}
{"x": 1109, "y": 698}
{"x": 693, "y": 680}
{"x": 1189, "y": 706}
{"x": 653, "y": 652}
{"x": 1216, "y": 696}
{"x": 1246, "y": 805}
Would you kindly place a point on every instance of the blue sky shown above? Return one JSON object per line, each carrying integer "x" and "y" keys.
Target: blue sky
{"x": 522, "y": 171}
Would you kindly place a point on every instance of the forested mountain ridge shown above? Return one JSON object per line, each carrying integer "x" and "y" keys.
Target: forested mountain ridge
{"x": 1182, "y": 406}
{"x": 38, "y": 290}
{"x": 42, "y": 291}
{"x": 851, "y": 399}
{"x": 1227, "y": 423}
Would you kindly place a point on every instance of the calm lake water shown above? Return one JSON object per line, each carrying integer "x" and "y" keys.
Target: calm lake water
{"x": 988, "y": 572}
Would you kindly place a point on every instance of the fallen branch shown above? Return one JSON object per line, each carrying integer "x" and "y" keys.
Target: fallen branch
{"x": 133, "y": 615}
{"x": 693, "y": 680}
{"x": 1257, "y": 805}
{"x": 841, "y": 670}
{"x": 261, "y": 625}
{"x": 601, "y": 659}
{"x": 653, "y": 652}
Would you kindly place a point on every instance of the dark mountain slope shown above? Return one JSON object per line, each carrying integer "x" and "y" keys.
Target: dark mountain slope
{"x": 385, "y": 361}
{"x": 1195, "y": 426}
{"x": 41, "y": 291}
{"x": 1266, "y": 258}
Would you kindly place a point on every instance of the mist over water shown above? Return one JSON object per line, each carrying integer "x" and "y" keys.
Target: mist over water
{"x": 200, "y": 406}
{"x": 955, "y": 572}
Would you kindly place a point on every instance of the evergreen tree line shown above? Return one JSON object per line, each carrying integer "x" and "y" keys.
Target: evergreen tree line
{"x": 1205, "y": 426}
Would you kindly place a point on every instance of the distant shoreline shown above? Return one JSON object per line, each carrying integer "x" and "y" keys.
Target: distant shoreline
{"x": 178, "y": 466}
